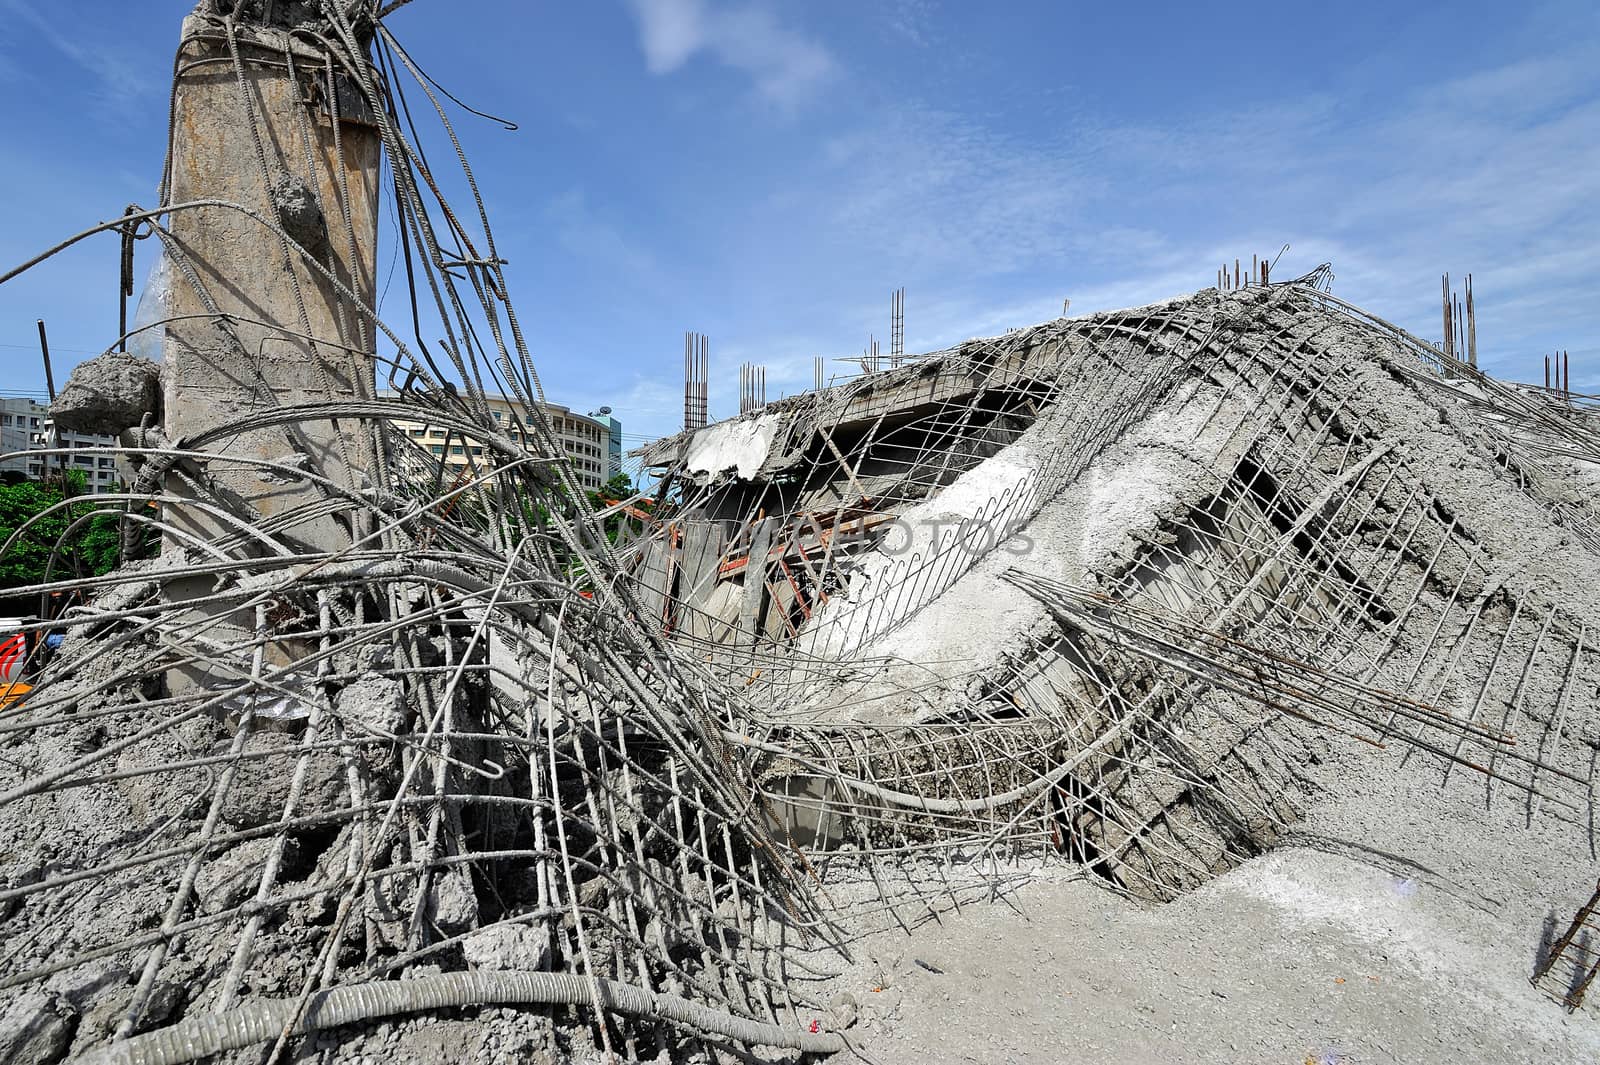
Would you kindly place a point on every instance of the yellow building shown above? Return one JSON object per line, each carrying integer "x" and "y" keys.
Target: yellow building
{"x": 586, "y": 440}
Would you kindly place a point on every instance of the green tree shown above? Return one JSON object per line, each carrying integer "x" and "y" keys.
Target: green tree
{"x": 93, "y": 549}
{"x": 619, "y": 487}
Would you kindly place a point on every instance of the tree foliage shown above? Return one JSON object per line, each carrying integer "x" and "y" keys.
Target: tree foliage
{"x": 622, "y": 524}
{"x": 619, "y": 487}
{"x": 93, "y": 548}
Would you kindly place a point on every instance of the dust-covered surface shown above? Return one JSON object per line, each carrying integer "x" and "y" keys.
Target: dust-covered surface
{"x": 1399, "y": 920}
{"x": 1296, "y": 956}
{"x": 981, "y": 619}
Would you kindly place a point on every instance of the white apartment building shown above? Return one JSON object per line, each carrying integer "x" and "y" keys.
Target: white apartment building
{"x": 20, "y": 421}
{"x": 586, "y": 440}
{"x": 25, "y": 426}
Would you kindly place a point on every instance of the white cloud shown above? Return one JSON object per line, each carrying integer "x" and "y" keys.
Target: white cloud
{"x": 910, "y": 19}
{"x": 1494, "y": 174}
{"x": 584, "y": 234}
{"x": 647, "y": 407}
{"x": 786, "y": 65}
{"x": 946, "y": 192}
{"x": 991, "y": 218}
{"x": 670, "y": 31}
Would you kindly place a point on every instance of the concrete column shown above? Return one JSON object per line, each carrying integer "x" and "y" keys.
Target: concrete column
{"x": 270, "y": 143}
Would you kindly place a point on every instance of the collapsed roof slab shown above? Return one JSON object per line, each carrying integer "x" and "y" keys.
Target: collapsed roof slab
{"x": 1272, "y": 467}
{"x": 956, "y": 376}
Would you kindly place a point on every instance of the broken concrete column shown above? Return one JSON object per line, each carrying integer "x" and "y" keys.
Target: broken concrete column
{"x": 268, "y": 306}
{"x": 247, "y": 132}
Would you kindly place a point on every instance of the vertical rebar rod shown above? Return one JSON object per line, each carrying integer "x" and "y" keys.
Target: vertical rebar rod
{"x": 897, "y": 327}
{"x": 1449, "y": 333}
{"x": 1472, "y": 327}
{"x": 124, "y": 282}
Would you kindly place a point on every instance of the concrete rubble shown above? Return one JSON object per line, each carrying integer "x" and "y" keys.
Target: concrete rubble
{"x": 108, "y": 394}
{"x": 1223, "y": 637}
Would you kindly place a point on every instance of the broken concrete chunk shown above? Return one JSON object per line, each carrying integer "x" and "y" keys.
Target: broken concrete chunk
{"x": 234, "y": 875}
{"x": 261, "y": 784}
{"x": 453, "y": 903}
{"x": 299, "y": 212}
{"x": 506, "y": 946}
{"x": 741, "y": 446}
{"x": 374, "y": 703}
{"x": 845, "y": 1010}
{"x": 108, "y": 394}
{"x": 36, "y": 1029}
{"x": 101, "y": 1019}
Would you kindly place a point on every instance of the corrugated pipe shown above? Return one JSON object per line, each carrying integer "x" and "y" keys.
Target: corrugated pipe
{"x": 259, "y": 1020}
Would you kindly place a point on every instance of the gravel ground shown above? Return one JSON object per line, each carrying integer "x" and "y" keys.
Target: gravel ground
{"x": 1299, "y": 956}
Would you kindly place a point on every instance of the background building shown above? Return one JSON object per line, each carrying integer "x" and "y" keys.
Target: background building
{"x": 586, "y": 441}
{"x": 20, "y": 421}
{"x": 25, "y": 426}
{"x": 593, "y": 443}
{"x": 614, "y": 444}
{"x": 93, "y": 455}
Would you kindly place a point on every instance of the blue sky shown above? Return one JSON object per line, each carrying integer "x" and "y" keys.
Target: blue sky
{"x": 767, "y": 173}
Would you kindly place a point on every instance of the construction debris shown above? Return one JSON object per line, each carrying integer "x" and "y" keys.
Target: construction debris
{"x": 1573, "y": 954}
{"x": 364, "y": 741}
{"x": 1283, "y": 556}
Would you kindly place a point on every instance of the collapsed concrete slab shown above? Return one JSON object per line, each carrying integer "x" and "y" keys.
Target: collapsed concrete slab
{"x": 1046, "y": 538}
{"x": 1138, "y": 596}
